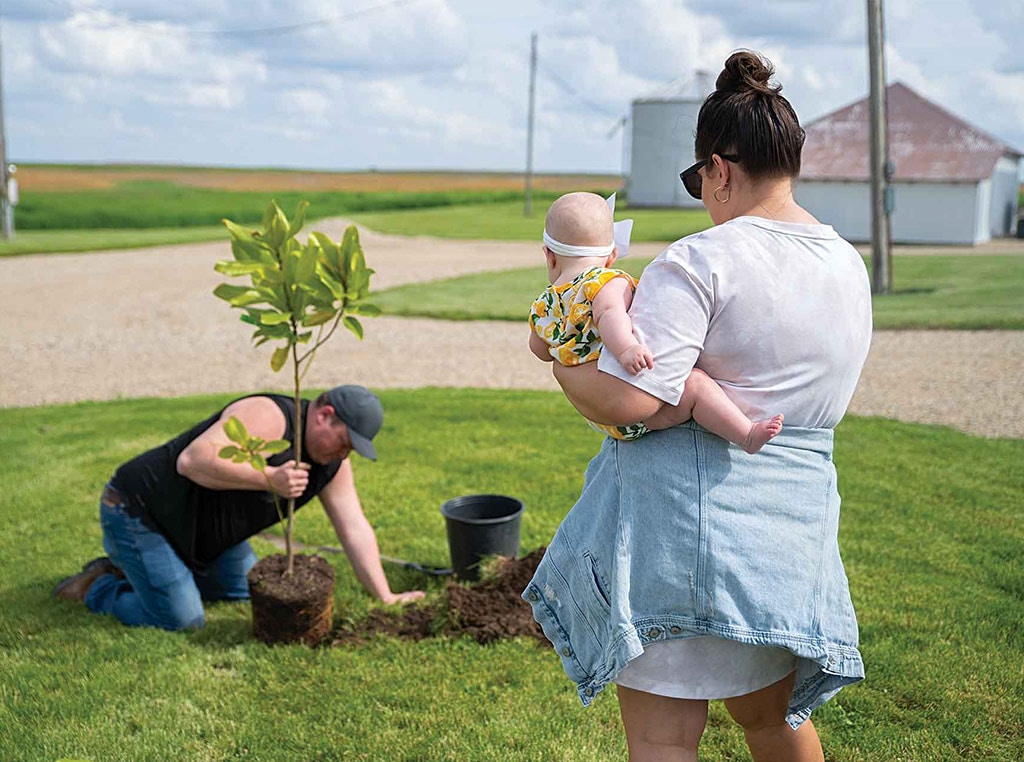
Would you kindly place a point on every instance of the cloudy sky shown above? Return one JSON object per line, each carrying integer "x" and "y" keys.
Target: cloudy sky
{"x": 443, "y": 84}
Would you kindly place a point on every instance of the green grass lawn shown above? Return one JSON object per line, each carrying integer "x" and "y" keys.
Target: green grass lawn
{"x": 63, "y": 241}
{"x": 975, "y": 292}
{"x": 932, "y": 537}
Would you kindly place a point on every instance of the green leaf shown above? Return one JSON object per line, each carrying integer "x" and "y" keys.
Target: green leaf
{"x": 236, "y": 431}
{"x": 273, "y": 297}
{"x": 277, "y": 230}
{"x": 239, "y": 296}
{"x": 279, "y": 358}
{"x": 351, "y": 251}
{"x": 274, "y": 446}
{"x": 244, "y": 245}
{"x": 306, "y": 270}
{"x": 258, "y": 462}
{"x": 317, "y": 294}
{"x": 228, "y": 267}
{"x": 334, "y": 285}
{"x": 229, "y": 451}
{"x": 312, "y": 319}
{"x": 269, "y": 317}
{"x": 268, "y": 275}
{"x": 272, "y": 332}
{"x": 353, "y": 325}
{"x": 268, "y": 214}
{"x": 330, "y": 252}
{"x": 227, "y": 292}
{"x": 299, "y": 219}
{"x": 242, "y": 457}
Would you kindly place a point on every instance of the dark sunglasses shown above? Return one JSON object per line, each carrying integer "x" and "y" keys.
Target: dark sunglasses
{"x": 691, "y": 178}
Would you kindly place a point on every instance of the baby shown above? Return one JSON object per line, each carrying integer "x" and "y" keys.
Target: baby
{"x": 586, "y": 309}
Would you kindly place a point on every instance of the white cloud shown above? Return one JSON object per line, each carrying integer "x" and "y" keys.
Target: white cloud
{"x": 94, "y": 41}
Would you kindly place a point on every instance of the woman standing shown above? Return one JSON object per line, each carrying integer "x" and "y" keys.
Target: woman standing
{"x": 690, "y": 570}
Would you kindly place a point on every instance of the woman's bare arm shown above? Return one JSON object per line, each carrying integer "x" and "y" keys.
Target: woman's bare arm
{"x": 603, "y": 398}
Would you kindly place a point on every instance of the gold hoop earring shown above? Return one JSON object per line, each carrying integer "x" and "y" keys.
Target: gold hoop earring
{"x": 728, "y": 191}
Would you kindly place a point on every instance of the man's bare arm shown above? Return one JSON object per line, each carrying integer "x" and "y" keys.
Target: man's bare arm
{"x": 341, "y": 503}
{"x": 201, "y": 463}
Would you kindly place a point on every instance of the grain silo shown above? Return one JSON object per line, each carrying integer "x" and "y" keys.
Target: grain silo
{"x": 663, "y": 124}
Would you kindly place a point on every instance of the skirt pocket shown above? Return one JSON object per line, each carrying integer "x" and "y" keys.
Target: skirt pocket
{"x": 572, "y": 608}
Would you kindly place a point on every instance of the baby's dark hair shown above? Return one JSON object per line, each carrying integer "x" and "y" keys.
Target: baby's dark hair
{"x": 748, "y": 116}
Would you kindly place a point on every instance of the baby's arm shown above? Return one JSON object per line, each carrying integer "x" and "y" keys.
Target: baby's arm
{"x": 612, "y": 320}
{"x": 540, "y": 348}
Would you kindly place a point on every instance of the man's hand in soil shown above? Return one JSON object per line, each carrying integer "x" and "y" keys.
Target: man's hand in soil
{"x": 290, "y": 479}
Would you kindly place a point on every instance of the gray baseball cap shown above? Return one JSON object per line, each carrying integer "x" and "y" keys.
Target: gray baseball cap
{"x": 361, "y": 411}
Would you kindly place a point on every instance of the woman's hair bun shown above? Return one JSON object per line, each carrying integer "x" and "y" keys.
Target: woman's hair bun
{"x": 744, "y": 71}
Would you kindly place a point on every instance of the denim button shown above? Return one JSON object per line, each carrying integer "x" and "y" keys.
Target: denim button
{"x": 653, "y": 633}
{"x": 675, "y": 630}
{"x": 567, "y": 651}
{"x": 588, "y": 692}
{"x": 532, "y": 596}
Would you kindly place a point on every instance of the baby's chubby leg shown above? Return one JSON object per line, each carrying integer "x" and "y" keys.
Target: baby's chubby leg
{"x": 705, "y": 402}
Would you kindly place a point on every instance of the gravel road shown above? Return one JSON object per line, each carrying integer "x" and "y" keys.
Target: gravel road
{"x": 121, "y": 324}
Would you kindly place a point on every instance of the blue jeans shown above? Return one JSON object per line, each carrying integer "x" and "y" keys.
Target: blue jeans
{"x": 159, "y": 590}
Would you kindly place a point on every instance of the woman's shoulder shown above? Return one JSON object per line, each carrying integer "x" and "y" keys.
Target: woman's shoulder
{"x": 702, "y": 248}
{"x": 720, "y": 244}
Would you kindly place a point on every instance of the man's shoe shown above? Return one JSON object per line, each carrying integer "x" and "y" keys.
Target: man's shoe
{"x": 75, "y": 587}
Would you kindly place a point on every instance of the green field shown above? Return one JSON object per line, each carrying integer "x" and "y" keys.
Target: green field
{"x": 141, "y": 204}
{"x": 932, "y": 537}
{"x": 973, "y": 292}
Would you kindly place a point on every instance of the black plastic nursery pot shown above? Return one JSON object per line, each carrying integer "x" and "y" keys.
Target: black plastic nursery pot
{"x": 480, "y": 526}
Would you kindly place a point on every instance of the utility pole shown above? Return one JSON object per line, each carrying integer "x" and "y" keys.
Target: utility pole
{"x": 528, "y": 206}
{"x": 5, "y": 203}
{"x": 881, "y": 169}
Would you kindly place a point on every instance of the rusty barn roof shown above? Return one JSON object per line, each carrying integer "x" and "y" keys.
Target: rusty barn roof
{"x": 926, "y": 142}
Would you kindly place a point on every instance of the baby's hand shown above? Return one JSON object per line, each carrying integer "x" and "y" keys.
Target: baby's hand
{"x": 636, "y": 358}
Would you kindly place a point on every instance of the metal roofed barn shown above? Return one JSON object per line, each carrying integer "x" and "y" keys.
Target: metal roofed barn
{"x": 952, "y": 184}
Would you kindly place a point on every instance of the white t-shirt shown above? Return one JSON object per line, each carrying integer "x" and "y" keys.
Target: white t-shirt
{"x": 778, "y": 313}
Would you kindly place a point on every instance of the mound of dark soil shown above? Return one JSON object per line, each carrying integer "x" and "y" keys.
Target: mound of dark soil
{"x": 487, "y": 611}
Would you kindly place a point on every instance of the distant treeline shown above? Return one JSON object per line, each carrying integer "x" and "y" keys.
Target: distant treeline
{"x": 153, "y": 204}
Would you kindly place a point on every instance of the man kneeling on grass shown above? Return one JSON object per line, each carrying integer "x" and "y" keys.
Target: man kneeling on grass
{"x": 177, "y": 519}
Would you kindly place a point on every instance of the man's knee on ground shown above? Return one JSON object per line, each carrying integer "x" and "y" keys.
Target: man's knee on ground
{"x": 178, "y": 618}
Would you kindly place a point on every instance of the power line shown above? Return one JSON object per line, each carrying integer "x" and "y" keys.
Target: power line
{"x": 574, "y": 93}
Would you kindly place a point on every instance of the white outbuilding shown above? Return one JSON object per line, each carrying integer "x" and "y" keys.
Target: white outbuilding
{"x": 661, "y": 145}
{"x": 952, "y": 184}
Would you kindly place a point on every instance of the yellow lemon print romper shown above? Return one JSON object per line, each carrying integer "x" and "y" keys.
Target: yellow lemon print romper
{"x": 563, "y": 317}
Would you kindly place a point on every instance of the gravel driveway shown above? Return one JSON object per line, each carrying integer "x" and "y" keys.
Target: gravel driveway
{"x": 141, "y": 323}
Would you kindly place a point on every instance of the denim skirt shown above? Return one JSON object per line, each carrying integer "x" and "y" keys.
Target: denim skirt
{"x": 680, "y": 535}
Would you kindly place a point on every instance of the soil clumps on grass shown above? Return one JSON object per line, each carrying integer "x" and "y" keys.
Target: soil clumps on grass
{"x": 487, "y": 611}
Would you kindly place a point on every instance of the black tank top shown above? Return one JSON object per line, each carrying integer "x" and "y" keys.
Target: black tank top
{"x": 202, "y": 523}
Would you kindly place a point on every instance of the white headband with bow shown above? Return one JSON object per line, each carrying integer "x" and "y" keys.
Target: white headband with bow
{"x": 621, "y": 232}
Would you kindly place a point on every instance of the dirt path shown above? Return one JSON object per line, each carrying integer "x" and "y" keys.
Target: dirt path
{"x": 143, "y": 323}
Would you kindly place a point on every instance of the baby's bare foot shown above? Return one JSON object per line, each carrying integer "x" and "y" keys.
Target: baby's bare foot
{"x": 761, "y": 432}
